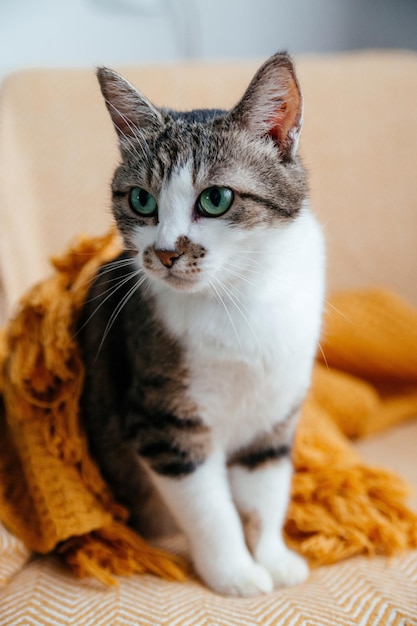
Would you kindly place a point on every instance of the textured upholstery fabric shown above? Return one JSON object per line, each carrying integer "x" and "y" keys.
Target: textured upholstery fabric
{"x": 370, "y": 592}
{"x": 57, "y": 152}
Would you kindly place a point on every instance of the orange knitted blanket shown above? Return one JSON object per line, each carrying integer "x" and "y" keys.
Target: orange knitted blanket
{"x": 53, "y": 497}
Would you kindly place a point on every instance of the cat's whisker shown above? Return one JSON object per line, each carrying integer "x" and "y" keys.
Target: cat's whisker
{"x": 104, "y": 300}
{"x": 241, "y": 277}
{"x": 231, "y": 292}
{"x": 112, "y": 265}
{"x": 118, "y": 310}
{"x": 323, "y": 355}
{"x": 329, "y": 304}
{"x": 117, "y": 263}
{"x": 238, "y": 271}
{"x": 146, "y": 284}
{"x": 220, "y": 299}
{"x": 111, "y": 288}
{"x": 250, "y": 265}
{"x": 248, "y": 268}
{"x": 255, "y": 251}
{"x": 278, "y": 278}
{"x": 250, "y": 262}
{"x": 325, "y": 224}
{"x": 238, "y": 304}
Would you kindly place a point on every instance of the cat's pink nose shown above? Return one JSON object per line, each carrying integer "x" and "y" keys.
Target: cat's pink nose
{"x": 167, "y": 257}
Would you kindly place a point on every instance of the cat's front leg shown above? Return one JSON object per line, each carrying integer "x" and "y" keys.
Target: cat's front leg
{"x": 202, "y": 504}
{"x": 261, "y": 492}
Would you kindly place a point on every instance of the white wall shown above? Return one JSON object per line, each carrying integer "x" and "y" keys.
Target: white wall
{"x": 91, "y": 32}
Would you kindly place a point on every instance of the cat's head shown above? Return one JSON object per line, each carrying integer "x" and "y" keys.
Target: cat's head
{"x": 199, "y": 194}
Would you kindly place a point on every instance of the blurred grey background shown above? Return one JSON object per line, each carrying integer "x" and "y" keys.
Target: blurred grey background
{"x": 48, "y": 33}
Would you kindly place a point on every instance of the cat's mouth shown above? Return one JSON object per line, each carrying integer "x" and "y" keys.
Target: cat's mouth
{"x": 181, "y": 282}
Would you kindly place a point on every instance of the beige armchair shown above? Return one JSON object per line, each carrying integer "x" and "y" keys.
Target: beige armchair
{"x": 359, "y": 142}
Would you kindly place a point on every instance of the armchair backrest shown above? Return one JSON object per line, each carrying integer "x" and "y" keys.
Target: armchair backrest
{"x": 58, "y": 150}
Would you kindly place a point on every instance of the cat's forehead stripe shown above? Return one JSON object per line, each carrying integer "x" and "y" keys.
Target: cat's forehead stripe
{"x": 171, "y": 149}
{"x": 179, "y": 143}
{"x": 176, "y": 203}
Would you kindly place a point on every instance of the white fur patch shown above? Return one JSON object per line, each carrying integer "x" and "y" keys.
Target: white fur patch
{"x": 250, "y": 343}
{"x": 175, "y": 206}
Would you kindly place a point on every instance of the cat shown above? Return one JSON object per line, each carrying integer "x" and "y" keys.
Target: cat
{"x": 199, "y": 340}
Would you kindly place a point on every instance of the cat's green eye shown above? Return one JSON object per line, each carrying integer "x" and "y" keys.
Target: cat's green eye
{"x": 215, "y": 201}
{"x": 142, "y": 202}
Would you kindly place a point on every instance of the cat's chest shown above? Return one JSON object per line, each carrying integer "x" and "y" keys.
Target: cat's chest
{"x": 242, "y": 393}
{"x": 246, "y": 367}
{"x": 236, "y": 399}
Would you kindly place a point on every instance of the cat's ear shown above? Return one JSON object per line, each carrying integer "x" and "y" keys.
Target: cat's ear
{"x": 273, "y": 105}
{"x": 130, "y": 111}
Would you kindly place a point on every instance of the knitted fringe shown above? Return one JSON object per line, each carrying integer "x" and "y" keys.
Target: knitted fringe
{"x": 338, "y": 514}
{"x": 118, "y": 550}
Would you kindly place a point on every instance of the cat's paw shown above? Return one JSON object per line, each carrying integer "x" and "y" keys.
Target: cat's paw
{"x": 248, "y": 581}
{"x": 286, "y": 568}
